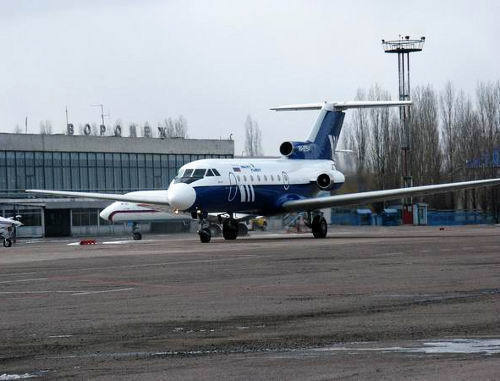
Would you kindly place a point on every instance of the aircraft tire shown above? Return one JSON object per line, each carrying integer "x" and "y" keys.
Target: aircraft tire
{"x": 205, "y": 235}
{"x": 242, "y": 229}
{"x": 137, "y": 236}
{"x": 319, "y": 227}
{"x": 229, "y": 230}
{"x": 7, "y": 242}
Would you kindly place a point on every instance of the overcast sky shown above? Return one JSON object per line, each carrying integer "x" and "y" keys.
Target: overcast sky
{"x": 215, "y": 62}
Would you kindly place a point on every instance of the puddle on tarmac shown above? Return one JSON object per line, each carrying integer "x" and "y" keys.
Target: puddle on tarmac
{"x": 452, "y": 346}
{"x": 464, "y": 346}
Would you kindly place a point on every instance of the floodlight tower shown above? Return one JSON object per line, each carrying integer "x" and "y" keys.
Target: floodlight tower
{"x": 403, "y": 47}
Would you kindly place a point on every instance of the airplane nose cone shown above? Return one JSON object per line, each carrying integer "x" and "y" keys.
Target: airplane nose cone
{"x": 181, "y": 196}
{"x": 106, "y": 213}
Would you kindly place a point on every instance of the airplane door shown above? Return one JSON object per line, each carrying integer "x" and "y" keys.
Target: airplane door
{"x": 233, "y": 187}
{"x": 286, "y": 181}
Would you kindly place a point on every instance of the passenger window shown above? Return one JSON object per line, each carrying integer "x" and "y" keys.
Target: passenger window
{"x": 278, "y": 176}
{"x": 244, "y": 178}
{"x": 251, "y": 178}
{"x": 216, "y": 172}
{"x": 238, "y": 177}
{"x": 272, "y": 178}
{"x": 209, "y": 172}
{"x": 265, "y": 178}
{"x": 258, "y": 178}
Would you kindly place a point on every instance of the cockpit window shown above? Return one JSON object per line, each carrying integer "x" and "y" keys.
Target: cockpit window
{"x": 191, "y": 175}
{"x": 216, "y": 172}
{"x": 209, "y": 172}
{"x": 199, "y": 172}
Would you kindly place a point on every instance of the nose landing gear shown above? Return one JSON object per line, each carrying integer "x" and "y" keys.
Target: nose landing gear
{"x": 204, "y": 231}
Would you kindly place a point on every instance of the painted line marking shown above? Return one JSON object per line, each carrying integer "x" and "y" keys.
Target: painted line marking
{"x": 16, "y": 274}
{"x": 72, "y": 292}
{"x": 22, "y": 280}
{"x": 103, "y": 291}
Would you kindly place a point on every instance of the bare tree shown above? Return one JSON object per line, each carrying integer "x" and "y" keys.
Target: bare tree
{"x": 380, "y": 138}
{"x": 360, "y": 138}
{"x": 426, "y": 154}
{"x": 488, "y": 109}
{"x": 449, "y": 136}
{"x": 253, "y": 138}
{"x": 176, "y": 128}
{"x": 45, "y": 127}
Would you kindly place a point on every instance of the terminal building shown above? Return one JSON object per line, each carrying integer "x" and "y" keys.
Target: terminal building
{"x": 93, "y": 164}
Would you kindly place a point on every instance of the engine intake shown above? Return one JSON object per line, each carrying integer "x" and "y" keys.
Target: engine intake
{"x": 324, "y": 182}
{"x": 297, "y": 150}
{"x": 286, "y": 148}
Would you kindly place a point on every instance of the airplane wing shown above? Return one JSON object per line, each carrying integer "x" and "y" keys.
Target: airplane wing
{"x": 381, "y": 195}
{"x": 147, "y": 197}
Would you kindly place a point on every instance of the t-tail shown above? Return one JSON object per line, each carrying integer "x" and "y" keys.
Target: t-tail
{"x": 325, "y": 133}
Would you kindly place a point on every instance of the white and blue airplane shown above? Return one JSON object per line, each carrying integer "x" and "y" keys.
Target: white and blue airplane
{"x": 232, "y": 190}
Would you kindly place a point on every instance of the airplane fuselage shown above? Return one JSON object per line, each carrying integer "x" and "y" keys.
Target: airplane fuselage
{"x": 252, "y": 186}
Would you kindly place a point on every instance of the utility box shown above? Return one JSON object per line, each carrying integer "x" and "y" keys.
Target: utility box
{"x": 390, "y": 217}
{"x": 420, "y": 213}
{"x": 363, "y": 217}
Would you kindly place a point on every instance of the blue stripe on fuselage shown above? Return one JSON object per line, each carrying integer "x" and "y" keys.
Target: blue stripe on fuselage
{"x": 267, "y": 198}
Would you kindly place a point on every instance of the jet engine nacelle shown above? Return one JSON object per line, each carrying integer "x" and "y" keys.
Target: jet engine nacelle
{"x": 297, "y": 150}
{"x": 327, "y": 181}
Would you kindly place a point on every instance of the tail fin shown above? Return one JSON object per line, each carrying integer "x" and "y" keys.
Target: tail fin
{"x": 324, "y": 135}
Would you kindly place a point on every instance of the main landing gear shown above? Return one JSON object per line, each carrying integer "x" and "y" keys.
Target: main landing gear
{"x": 317, "y": 223}
{"x": 136, "y": 232}
{"x": 231, "y": 228}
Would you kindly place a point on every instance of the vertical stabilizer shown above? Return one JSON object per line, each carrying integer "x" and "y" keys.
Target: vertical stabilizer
{"x": 325, "y": 133}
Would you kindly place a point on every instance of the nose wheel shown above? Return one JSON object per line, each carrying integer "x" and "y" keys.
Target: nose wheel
{"x": 204, "y": 230}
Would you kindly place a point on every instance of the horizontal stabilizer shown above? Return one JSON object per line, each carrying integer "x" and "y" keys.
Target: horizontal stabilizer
{"x": 339, "y": 106}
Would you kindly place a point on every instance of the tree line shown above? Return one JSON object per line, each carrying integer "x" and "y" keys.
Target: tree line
{"x": 453, "y": 137}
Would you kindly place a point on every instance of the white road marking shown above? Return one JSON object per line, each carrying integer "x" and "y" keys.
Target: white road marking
{"x": 16, "y": 274}
{"x": 117, "y": 242}
{"x": 103, "y": 291}
{"x": 22, "y": 280}
{"x": 72, "y": 292}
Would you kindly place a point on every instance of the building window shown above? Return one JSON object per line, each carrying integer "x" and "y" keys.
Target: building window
{"x": 84, "y": 217}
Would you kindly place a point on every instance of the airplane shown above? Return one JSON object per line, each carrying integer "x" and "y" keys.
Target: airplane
{"x": 234, "y": 189}
{"x": 6, "y": 227}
